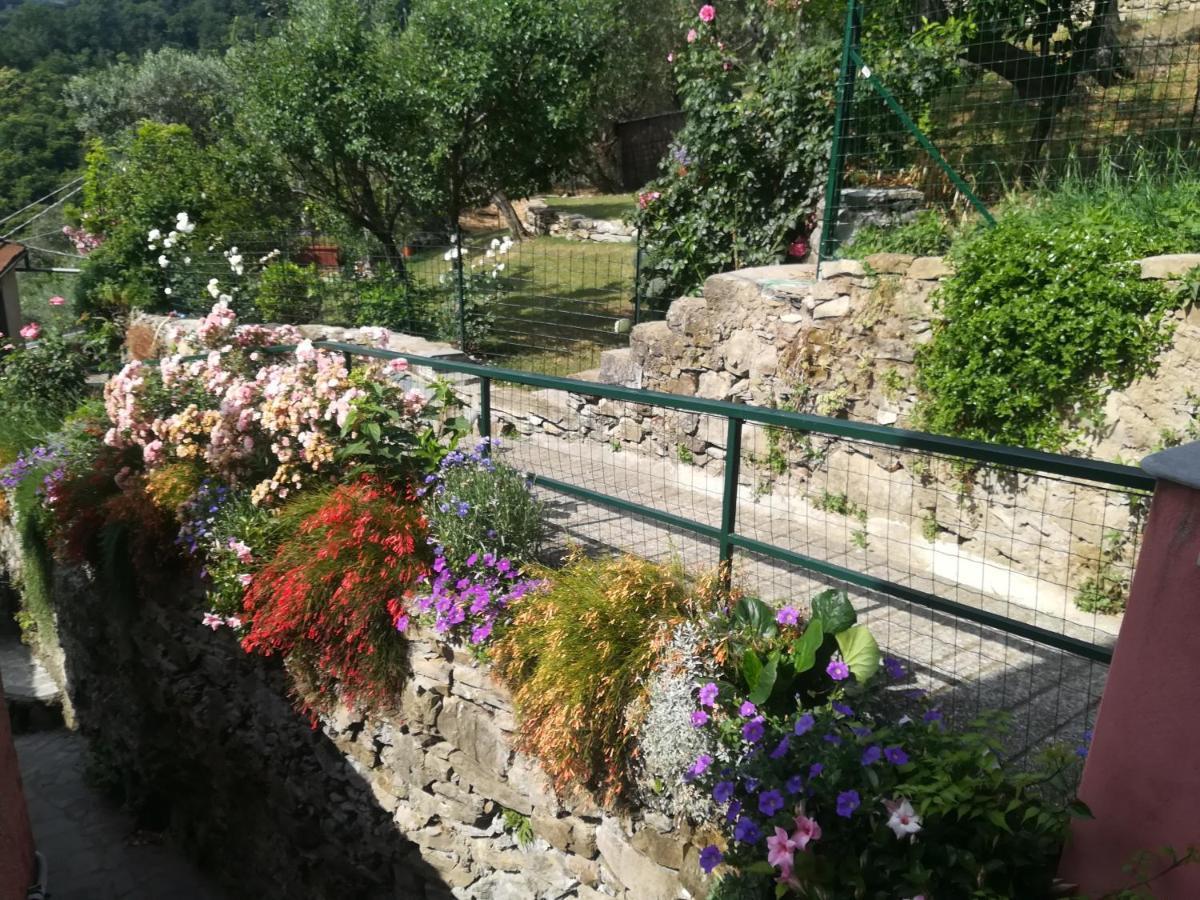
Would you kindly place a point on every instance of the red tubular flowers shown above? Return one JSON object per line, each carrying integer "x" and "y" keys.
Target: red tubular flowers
{"x": 330, "y": 599}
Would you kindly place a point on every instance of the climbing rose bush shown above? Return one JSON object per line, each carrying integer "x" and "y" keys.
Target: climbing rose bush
{"x": 271, "y": 423}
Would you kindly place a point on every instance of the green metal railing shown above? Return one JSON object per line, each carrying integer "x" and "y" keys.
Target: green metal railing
{"x": 737, "y": 416}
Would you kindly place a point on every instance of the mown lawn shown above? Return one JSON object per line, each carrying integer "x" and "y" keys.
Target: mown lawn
{"x": 557, "y": 303}
{"x": 600, "y": 206}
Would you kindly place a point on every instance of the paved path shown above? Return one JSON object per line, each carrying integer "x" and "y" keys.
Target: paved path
{"x": 92, "y": 849}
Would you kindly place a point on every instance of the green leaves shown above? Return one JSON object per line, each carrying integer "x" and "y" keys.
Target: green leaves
{"x": 1046, "y": 313}
{"x": 754, "y": 617}
{"x": 860, "y": 652}
{"x": 833, "y": 610}
{"x": 805, "y": 647}
{"x": 764, "y": 675}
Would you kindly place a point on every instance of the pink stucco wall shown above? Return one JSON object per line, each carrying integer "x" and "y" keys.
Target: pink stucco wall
{"x": 1142, "y": 777}
{"x": 16, "y": 841}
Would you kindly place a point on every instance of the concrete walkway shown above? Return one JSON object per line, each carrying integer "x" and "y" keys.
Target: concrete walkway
{"x": 92, "y": 850}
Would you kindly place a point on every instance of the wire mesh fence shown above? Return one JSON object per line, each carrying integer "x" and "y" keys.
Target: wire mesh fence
{"x": 996, "y": 578}
{"x": 544, "y": 304}
{"x": 949, "y": 104}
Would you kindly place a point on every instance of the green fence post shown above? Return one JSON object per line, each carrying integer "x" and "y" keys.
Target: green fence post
{"x": 733, "y": 464}
{"x": 460, "y": 279}
{"x": 485, "y": 412}
{"x": 637, "y": 281}
{"x": 841, "y": 129}
{"x": 906, "y": 120}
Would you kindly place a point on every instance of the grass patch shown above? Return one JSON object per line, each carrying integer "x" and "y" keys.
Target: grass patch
{"x": 555, "y": 306}
{"x": 600, "y": 206}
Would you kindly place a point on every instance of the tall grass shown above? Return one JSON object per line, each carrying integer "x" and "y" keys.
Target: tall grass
{"x": 578, "y": 653}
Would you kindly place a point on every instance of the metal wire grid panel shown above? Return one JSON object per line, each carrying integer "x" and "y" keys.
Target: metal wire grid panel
{"x": 546, "y": 304}
{"x": 1011, "y": 548}
{"x": 1007, "y": 94}
{"x": 969, "y": 561}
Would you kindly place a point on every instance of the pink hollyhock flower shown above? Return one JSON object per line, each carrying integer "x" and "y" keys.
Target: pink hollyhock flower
{"x": 57, "y": 301}
{"x": 233, "y": 622}
{"x": 32, "y": 331}
{"x": 904, "y": 821}
{"x": 245, "y": 579}
{"x": 671, "y": 57}
{"x": 726, "y": 66}
{"x": 242, "y": 551}
{"x": 692, "y": 35}
{"x": 708, "y": 12}
{"x": 781, "y": 849}
{"x": 806, "y": 830}
{"x": 212, "y": 620}
{"x": 397, "y": 366}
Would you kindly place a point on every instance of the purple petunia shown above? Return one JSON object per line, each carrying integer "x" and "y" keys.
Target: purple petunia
{"x": 735, "y": 809}
{"x": 780, "y": 750}
{"x": 710, "y": 858}
{"x": 794, "y": 785}
{"x": 747, "y": 709}
{"x": 700, "y": 766}
{"x": 789, "y": 615}
{"x": 770, "y": 802}
{"x": 699, "y": 718}
{"x": 747, "y": 831}
{"x": 842, "y": 708}
{"x": 814, "y": 770}
{"x": 833, "y": 739}
{"x": 837, "y": 670}
{"x": 804, "y": 724}
{"x": 895, "y": 755}
{"x": 752, "y": 731}
{"x": 847, "y": 803}
{"x": 722, "y": 791}
{"x": 893, "y": 668}
{"x": 933, "y": 715}
{"x": 708, "y": 694}
{"x": 872, "y": 755}
{"x": 1084, "y": 748}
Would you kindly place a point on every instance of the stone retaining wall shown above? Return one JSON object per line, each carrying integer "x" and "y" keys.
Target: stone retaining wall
{"x": 844, "y": 345}
{"x": 542, "y": 219}
{"x": 205, "y": 742}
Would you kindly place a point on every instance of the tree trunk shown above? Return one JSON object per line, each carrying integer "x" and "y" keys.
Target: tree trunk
{"x": 393, "y": 251}
{"x": 510, "y": 216}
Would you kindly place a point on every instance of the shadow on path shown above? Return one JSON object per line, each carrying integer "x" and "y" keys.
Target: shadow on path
{"x": 92, "y": 849}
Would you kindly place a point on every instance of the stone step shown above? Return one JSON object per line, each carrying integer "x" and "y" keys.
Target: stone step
{"x": 34, "y": 701}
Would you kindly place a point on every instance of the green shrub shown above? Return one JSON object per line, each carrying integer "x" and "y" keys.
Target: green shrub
{"x": 290, "y": 294}
{"x": 1045, "y": 312}
{"x": 399, "y": 304}
{"x": 928, "y": 234}
{"x": 477, "y": 505}
{"x": 578, "y": 653}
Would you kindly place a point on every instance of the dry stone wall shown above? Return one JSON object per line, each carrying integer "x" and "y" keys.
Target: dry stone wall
{"x": 206, "y": 743}
{"x": 844, "y": 345}
{"x": 542, "y": 219}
